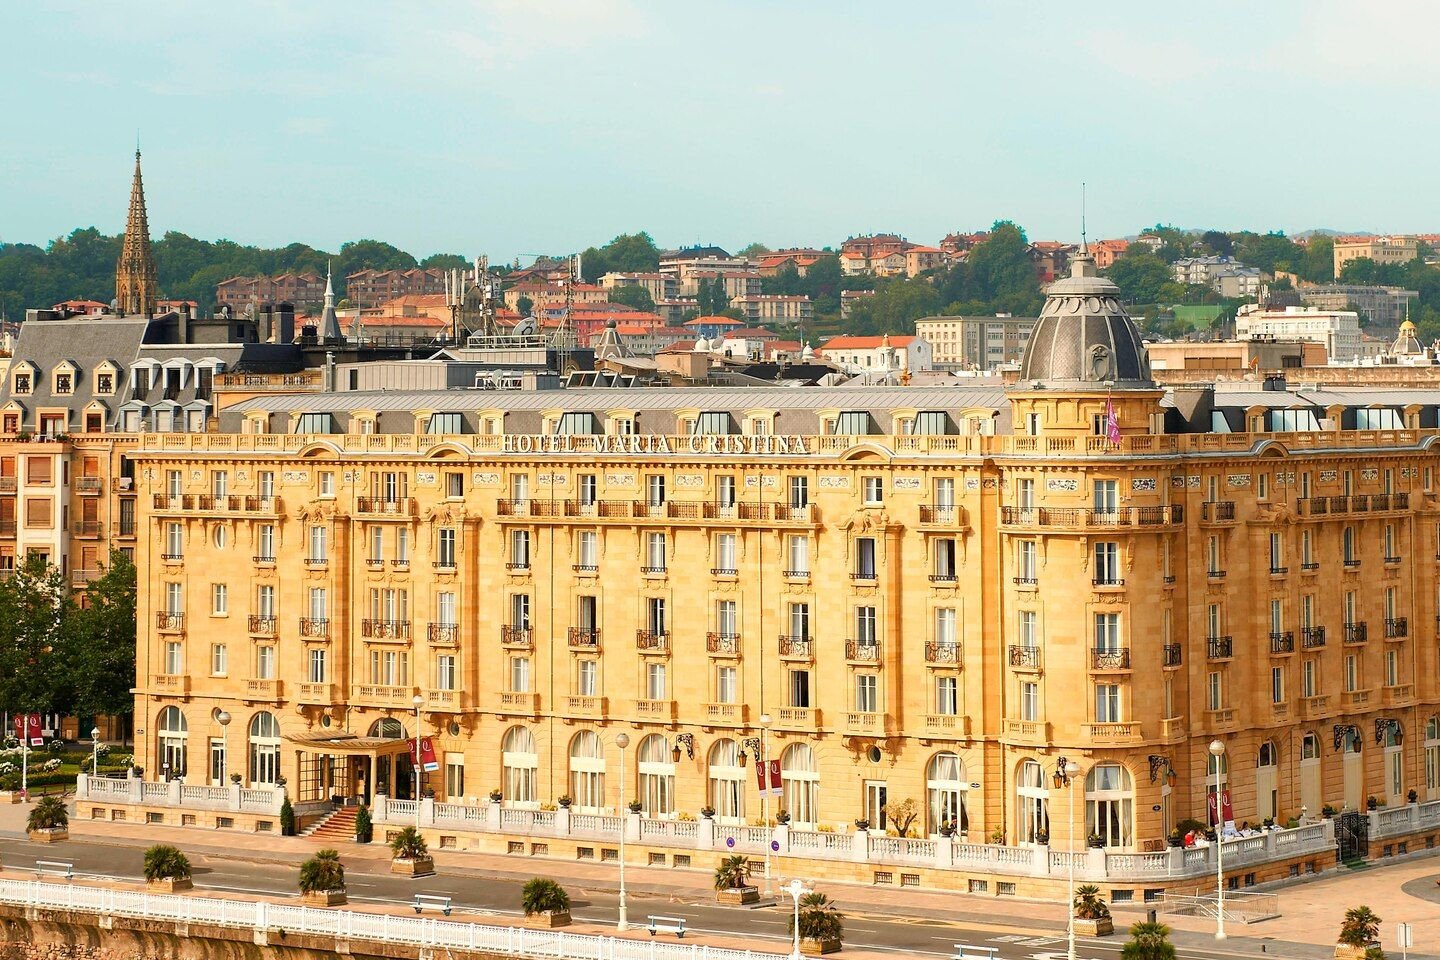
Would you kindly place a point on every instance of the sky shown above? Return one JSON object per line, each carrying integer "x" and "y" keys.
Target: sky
{"x": 518, "y": 127}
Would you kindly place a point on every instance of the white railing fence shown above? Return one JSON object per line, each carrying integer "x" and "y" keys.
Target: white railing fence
{"x": 349, "y": 925}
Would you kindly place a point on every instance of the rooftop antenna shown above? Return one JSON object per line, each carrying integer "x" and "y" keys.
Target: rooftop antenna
{"x": 1084, "y": 241}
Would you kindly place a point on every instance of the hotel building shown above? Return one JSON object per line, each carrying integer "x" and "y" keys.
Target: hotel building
{"x": 905, "y": 592}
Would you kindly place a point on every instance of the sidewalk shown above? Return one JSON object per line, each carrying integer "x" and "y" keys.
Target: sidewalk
{"x": 1310, "y": 912}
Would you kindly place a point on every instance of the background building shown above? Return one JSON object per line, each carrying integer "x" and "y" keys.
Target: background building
{"x": 1337, "y": 330}
{"x": 975, "y": 343}
{"x": 1379, "y": 249}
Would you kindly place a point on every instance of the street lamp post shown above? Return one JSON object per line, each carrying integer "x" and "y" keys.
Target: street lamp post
{"x": 1217, "y": 750}
{"x": 419, "y": 760}
{"x": 223, "y": 718}
{"x": 94, "y": 751}
{"x": 1067, "y": 771}
{"x": 765, "y": 795}
{"x": 622, "y": 740}
{"x": 796, "y": 889}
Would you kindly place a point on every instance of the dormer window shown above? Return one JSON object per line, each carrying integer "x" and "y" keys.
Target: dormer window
{"x": 22, "y": 383}
{"x": 105, "y": 384}
{"x": 64, "y": 384}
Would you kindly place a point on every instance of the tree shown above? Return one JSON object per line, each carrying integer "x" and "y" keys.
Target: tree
{"x": 100, "y": 642}
{"x": 1148, "y": 941}
{"x": 164, "y": 862}
{"x": 1140, "y": 275}
{"x": 372, "y": 255}
{"x": 753, "y": 251}
{"x": 997, "y": 276}
{"x": 627, "y": 253}
{"x": 819, "y": 920}
{"x": 896, "y": 306}
{"x": 633, "y": 295}
{"x": 1268, "y": 251}
{"x": 35, "y": 674}
{"x": 446, "y": 261}
{"x": 523, "y": 306}
{"x": 903, "y": 815}
{"x": 1360, "y": 928}
{"x": 732, "y": 873}
{"x": 322, "y": 873}
{"x": 1218, "y": 242}
{"x": 543, "y": 895}
{"x": 1318, "y": 262}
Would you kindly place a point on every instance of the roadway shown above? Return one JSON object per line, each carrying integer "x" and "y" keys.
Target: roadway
{"x": 479, "y": 897}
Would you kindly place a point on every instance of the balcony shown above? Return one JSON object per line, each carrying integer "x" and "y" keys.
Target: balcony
{"x": 317, "y": 563}
{"x": 1217, "y": 511}
{"x": 1221, "y": 718}
{"x": 864, "y": 577}
{"x": 323, "y": 694}
{"x": 722, "y": 644}
{"x": 653, "y": 570}
{"x": 796, "y": 575}
{"x": 1220, "y": 648}
{"x": 1079, "y": 518}
{"x": 647, "y": 641}
{"x": 583, "y": 638}
{"x": 519, "y": 703}
{"x": 446, "y": 565}
{"x": 261, "y": 625}
{"x": 723, "y": 571}
{"x": 210, "y": 504}
{"x": 1312, "y": 637}
{"x": 586, "y": 707}
{"x": 859, "y": 651}
{"x": 263, "y": 560}
{"x": 315, "y": 628}
{"x": 944, "y": 515}
{"x": 1398, "y": 695}
{"x": 1351, "y": 564}
{"x": 944, "y": 579}
{"x": 946, "y": 726}
{"x": 1103, "y": 582}
{"x": 1025, "y": 583}
{"x": 1282, "y": 642}
{"x": 443, "y": 634}
{"x": 89, "y": 486}
{"x": 1278, "y": 571}
{"x": 1312, "y": 708}
{"x": 1355, "y": 698}
{"x": 1105, "y": 658}
{"x": 88, "y": 528}
{"x": 1397, "y": 628}
{"x": 585, "y": 569}
{"x": 1357, "y": 632}
{"x": 266, "y": 690}
{"x": 8, "y": 485}
{"x": 1111, "y": 733}
{"x": 942, "y": 652}
{"x": 1035, "y": 732}
{"x": 170, "y": 622}
{"x": 864, "y": 723}
{"x": 170, "y": 684}
{"x": 1391, "y": 561}
{"x": 384, "y": 508}
{"x": 1024, "y": 657}
{"x": 1173, "y": 655}
{"x": 1172, "y": 728}
{"x": 385, "y": 629}
{"x": 175, "y": 557}
{"x": 796, "y": 648}
{"x": 1309, "y": 566}
{"x": 1215, "y": 574}
{"x": 662, "y": 710}
{"x": 442, "y": 701}
{"x": 80, "y": 576}
{"x": 512, "y": 635}
{"x": 797, "y": 718}
{"x": 725, "y": 713}
{"x": 384, "y": 695}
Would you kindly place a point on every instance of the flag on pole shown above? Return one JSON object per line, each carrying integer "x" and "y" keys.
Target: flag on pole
{"x": 1112, "y": 423}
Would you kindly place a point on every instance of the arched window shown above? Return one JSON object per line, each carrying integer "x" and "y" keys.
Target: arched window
{"x": 1394, "y": 761}
{"x": 727, "y": 782}
{"x": 1109, "y": 804}
{"x": 800, "y": 777}
{"x": 264, "y": 748}
{"x": 1432, "y": 756}
{"x": 520, "y": 763}
{"x": 945, "y": 787}
{"x": 1267, "y": 781}
{"x": 1033, "y": 793}
{"x": 587, "y": 772}
{"x": 389, "y": 728}
{"x": 173, "y": 730}
{"x": 657, "y": 777}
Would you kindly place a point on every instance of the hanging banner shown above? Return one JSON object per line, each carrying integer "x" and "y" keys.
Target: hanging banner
{"x": 761, "y": 783}
{"x": 1226, "y": 810}
{"x": 422, "y": 754}
{"x": 27, "y": 727}
{"x": 776, "y": 788}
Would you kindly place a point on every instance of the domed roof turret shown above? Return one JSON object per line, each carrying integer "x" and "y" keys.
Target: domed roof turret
{"x": 1407, "y": 344}
{"x": 1084, "y": 337}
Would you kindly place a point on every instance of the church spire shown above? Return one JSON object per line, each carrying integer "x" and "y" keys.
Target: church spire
{"x": 135, "y": 270}
{"x": 329, "y": 322}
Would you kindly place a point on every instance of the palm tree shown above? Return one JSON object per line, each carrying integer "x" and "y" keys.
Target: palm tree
{"x": 48, "y": 814}
{"x": 543, "y": 895}
{"x": 1361, "y": 927}
{"x": 731, "y": 874}
{"x": 1088, "y": 905}
{"x": 322, "y": 873}
{"x": 409, "y": 845}
{"x": 1148, "y": 941}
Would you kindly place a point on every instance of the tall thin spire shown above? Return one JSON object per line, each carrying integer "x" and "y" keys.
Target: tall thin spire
{"x": 329, "y": 322}
{"x": 1084, "y": 239}
{"x": 135, "y": 271}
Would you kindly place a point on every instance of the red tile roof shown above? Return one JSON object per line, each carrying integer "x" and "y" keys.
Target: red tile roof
{"x": 864, "y": 343}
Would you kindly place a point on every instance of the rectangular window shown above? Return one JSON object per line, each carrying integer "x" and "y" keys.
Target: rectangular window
{"x": 1107, "y": 632}
{"x": 1392, "y": 668}
{"x": 219, "y": 599}
{"x": 799, "y": 491}
{"x": 587, "y": 674}
{"x": 867, "y": 693}
{"x": 1029, "y": 634}
{"x": 445, "y": 423}
{"x": 655, "y": 622}
{"x": 655, "y": 553}
{"x": 1308, "y": 686}
{"x": 265, "y": 662}
{"x": 1107, "y": 563}
{"x": 800, "y": 688}
{"x": 874, "y": 491}
{"x": 519, "y": 550}
{"x": 327, "y": 483}
{"x": 576, "y": 424}
{"x": 1029, "y": 701}
{"x": 800, "y": 621}
{"x": 725, "y": 553}
{"x": 585, "y": 489}
{"x": 174, "y": 658}
{"x": 712, "y": 424}
{"x": 174, "y": 541}
{"x": 945, "y": 626}
{"x": 174, "y": 485}
{"x": 454, "y": 776}
{"x": 319, "y": 608}
{"x": 727, "y": 621}
{"x": 726, "y": 685}
{"x": 1107, "y": 703}
{"x": 174, "y": 598}
{"x": 947, "y": 696}
{"x": 266, "y": 541}
{"x": 445, "y": 671}
{"x": 455, "y": 486}
{"x": 864, "y": 558}
{"x": 1025, "y": 554}
{"x": 265, "y": 600}
{"x": 656, "y": 677}
{"x": 315, "y": 665}
{"x": 1277, "y": 684}
{"x": 219, "y": 659}
{"x": 520, "y": 610}
{"x": 266, "y": 485}
{"x": 865, "y": 626}
{"x": 1215, "y": 690}
{"x": 402, "y": 545}
{"x": 377, "y": 544}
{"x": 587, "y": 550}
{"x": 445, "y": 609}
{"x": 655, "y": 490}
{"x": 1352, "y": 673}
{"x": 725, "y": 490}
{"x": 319, "y": 545}
{"x": 1107, "y": 496}
{"x": 797, "y": 555}
{"x": 1025, "y": 496}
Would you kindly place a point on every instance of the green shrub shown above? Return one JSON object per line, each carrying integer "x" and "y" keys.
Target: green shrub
{"x": 819, "y": 920}
{"x": 732, "y": 873}
{"x": 1088, "y": 905}
{"x": 1148, "y": 941}
{"x": 322, "y": 873}
{"x": 409, "y": 845}
{"x": 543, "y": 895}
{"x": 364, "y": 826}
{"x": 164, "y": 862}
{"x": 48, "y": 814}
{"x": 1361, "y": 927}
{"x": 287, "y": 818}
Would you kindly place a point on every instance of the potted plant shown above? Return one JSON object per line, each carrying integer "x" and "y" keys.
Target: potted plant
{"x": 862, "y": 824}
{"x": 822, "y": 927}
{"x": 1042, "y": 837}
{"x": 565, "y": 802}
{"x": 947, "y": 828}
{"x": 546, "y": 903}
{"x": 1358, "y": 934}
{"x": 1412, "y": 797}
{"x": 287, "y": 818}
{"x": 783, "y": 817}
{"x": 410, "y": 856}
{"x": 235, "y": 778}
{"x": 731, "y": 886}
{"x": 635, "y": 806}
{"x": 364, "y": 826}
{"x": 322, "y": 880}
{"x": 1092, "y": 915}
{"x": 1176, "y": 838}
{"x": 10, "y": 788}
{"x": 708, "y": 812}
{"x": 1371, "y": 803}
{"x": 48, "y": 822}
{"x": 167, "y": 869}
{"x": 1148, "y": 941}
{"x": 496, "y": 795}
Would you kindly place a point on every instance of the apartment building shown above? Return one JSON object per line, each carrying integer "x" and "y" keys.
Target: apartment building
{"x": 1337, "y": 330}
{"x": 371, "y": 288}
{"x": 777, "y": 308}
{"x": 975, "y": 343}
{"x": 1380, "y": 249}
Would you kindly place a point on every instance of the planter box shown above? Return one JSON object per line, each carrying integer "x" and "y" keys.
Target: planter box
{"x": 547, "y": 920}
{"x": 1346, "y": 952}
{"x": 738, "y": 896}
{"x": 413, "y": 868}
{"x": 815, "y": 948}
{"x": 53, "y": 835}
{"x": 169, "y": 884}
{"x": 323, "y": 898}
{"x": 11, "y": 796}
{"x": 1094, "y": 928}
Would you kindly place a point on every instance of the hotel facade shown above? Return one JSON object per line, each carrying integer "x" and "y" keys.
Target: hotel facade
{"x": 900, "y": 593}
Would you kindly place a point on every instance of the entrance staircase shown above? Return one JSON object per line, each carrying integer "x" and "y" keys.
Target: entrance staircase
{"x": 333, "y": 828}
